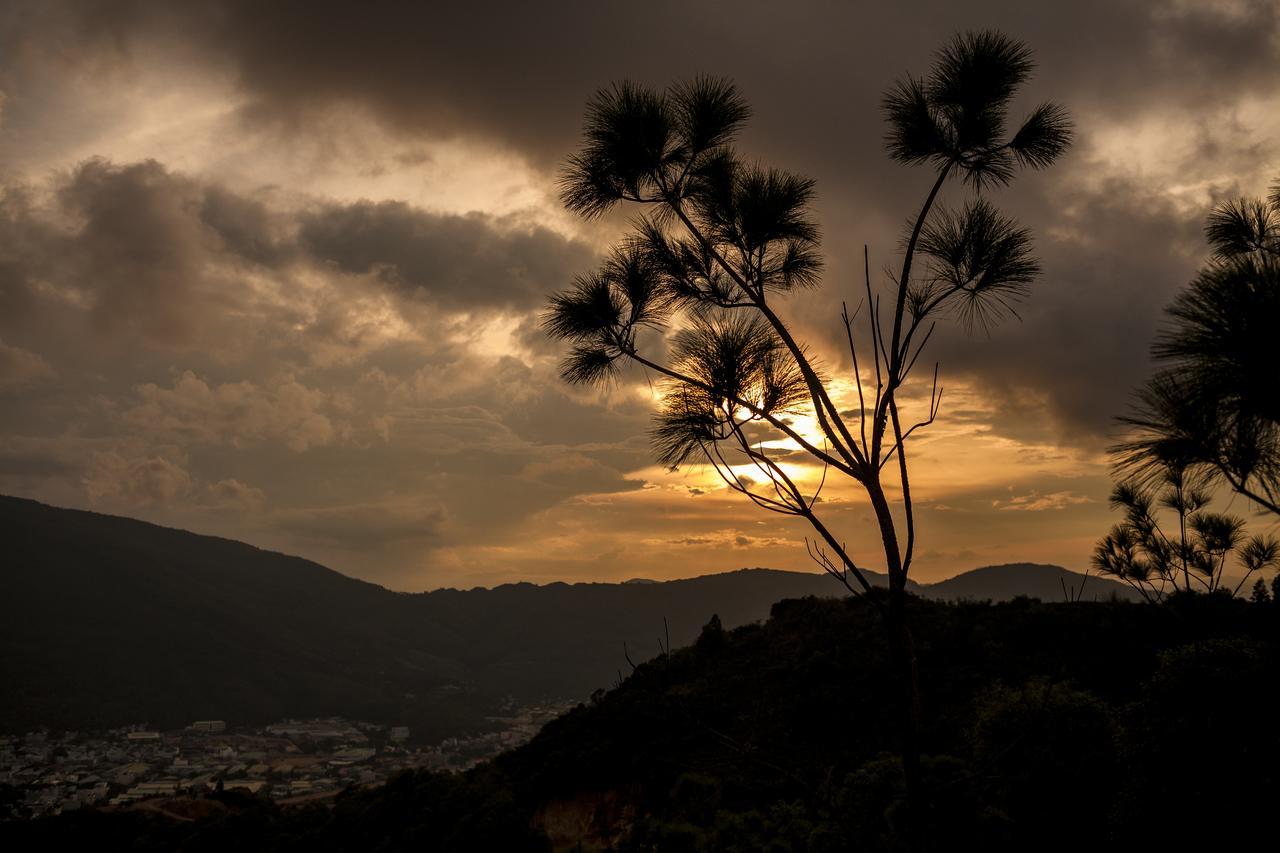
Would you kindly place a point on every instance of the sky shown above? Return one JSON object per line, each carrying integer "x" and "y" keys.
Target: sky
{"x": 274, "y": 271}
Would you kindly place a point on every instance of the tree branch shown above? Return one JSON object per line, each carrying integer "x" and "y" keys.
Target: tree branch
{"x": 821, "y": 400}
{"x": 773, "y": 420}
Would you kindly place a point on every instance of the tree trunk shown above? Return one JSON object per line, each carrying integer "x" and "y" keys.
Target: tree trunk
{"x": 902, "y": 651}
{"x": 902, "y": 659}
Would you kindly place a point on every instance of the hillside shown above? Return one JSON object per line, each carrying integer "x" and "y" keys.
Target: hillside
{"x": 1034, "y": 580}
{"x": 1045, "y": 726}
{"x": 113, "y": 621}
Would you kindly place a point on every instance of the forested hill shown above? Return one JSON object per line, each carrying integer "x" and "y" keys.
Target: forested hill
{"x": 1055, "y": 726}
{"x": 111, "y": 620}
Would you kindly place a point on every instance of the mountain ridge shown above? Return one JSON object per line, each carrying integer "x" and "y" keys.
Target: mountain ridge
{"x": 118, "y": 617}
{"x": 877, "y": 577}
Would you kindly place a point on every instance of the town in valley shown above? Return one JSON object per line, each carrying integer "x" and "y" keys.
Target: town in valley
{"x": 289, "y": 762}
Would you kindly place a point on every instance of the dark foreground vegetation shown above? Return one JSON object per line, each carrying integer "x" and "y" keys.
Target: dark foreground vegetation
{"x": 1046, "y": 726}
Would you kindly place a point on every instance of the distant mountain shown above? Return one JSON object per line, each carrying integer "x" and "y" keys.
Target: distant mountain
{"x": 1033, "y": 580}
{"x": 110, "y": 620}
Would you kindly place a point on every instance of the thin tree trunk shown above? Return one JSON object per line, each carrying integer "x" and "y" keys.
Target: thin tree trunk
{"x": 902, "y": 657}
{"x": 902, "y": 651}
{"x": 1182, "y": 542}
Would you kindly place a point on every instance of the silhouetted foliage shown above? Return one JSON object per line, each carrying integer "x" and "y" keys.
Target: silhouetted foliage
{"x": 1192, "y": 557}
{"x": 712, "y": 635}
{"x": 1260, "y": 594}
{"x": 720, "y": 239}
{"x": 1045, "y": 744}
{"x": 1209, "y": 416}
{"x": 1193, "y": 739}
{"x": 955, "y": 118}
{"x": 1213, "y": 407}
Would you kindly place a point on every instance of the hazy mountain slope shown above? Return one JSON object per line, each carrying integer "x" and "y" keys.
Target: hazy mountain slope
{"x": 111, "y": 620}
{"x": 569, "y": 638}
{"x": 1034, "y": 580}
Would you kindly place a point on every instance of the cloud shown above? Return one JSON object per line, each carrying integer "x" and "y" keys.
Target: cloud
{"x": 724, "y": 538}
{"x": 357, "y": 527}
{"x": 133, "y": 482}
{"x": 462, "y": 262}
{"x": 1036, "y": 502}
{"x": 20, "y": 367}
{"x": 246, "y": 227}
{"x": 231, "y": 495}
{"x": 139, "y": 254}
{"x": 102, "y": 254}
{"x": 148, "y": 254}
{"x": 238, "y": 413}
{"x": 1113, "y": 259}
{"x": 576, "y": 471}
{"x": 1065, "y": 369}
{"x": 518, "y": 75}
{"x": 27, "y": 460}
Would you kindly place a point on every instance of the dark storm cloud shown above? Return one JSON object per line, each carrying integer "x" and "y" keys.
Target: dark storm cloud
{"x": 518, "y": 74}
{"x": 520, "y": 71}
{"x": 27, "y": 245}
{"x": 126, "y": 247}
{"x": 166, "y": 258}
{"x": 460, "y": 261}
{"x": 139, "y": 249}
{"x": 1081, "y": 343}
{"x": 246, "y": 226}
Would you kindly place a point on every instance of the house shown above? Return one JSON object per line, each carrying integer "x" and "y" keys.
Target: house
{"x": 210, "y": 726}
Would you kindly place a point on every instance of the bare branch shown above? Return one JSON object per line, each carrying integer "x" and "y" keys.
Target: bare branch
{"x": 935, "y": 403}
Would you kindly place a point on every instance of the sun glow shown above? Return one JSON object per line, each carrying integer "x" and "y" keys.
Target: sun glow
{"x": 958, "y": 454}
